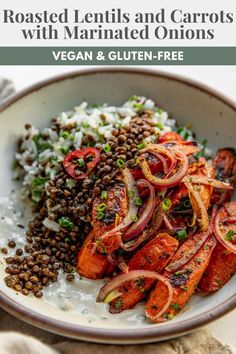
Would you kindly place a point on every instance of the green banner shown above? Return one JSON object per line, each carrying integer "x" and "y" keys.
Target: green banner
{"x": 118, "y": 56}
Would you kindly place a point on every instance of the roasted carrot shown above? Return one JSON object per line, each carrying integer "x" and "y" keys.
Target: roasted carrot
{"x": 196, "y": 168}
{"x": 184, "y": 283}
{"x": 170, "y": 136}
{"x": 90, "y": 263}
{"x": 187, "y": 250}
{"x": 153, "y": 256}
{"x": 224, "y": 165}
{"x": 221, "y": 268}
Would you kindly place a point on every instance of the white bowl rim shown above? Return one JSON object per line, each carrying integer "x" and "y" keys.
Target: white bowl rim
{"x": 119, "y": 336}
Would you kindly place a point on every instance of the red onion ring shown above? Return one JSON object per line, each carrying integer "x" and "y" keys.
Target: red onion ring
{"x": 157, "y": 150}
{"x": 193, "y": 195}
{"x": 167, "y": 223}
{"x": 165, "y": 182}
{"x": 208, "y": 181}
{"x": 148, "y": 233}
{"x": 139, "y": 226}
{"x": 116, "y": 282}
{"x": 220, "y": 236}
{"x": 229, "y": 219}
{"x": 162, "y": 159}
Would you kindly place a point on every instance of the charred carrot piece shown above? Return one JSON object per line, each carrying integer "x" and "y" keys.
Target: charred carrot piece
{"x": 196, "y": 168}
{"x": 221, "y": 268}
{"x": 187, "y": 250}
{"x": 153, "y": 256}
{"x": 90, "y": 263}
{"x": 224, "y": 165}
{"x": 170, "y": 136}
{"x": 184, "y": 283}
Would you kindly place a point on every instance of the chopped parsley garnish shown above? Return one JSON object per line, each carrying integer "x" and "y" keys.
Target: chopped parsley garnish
{"x": 183, "y": 132}
{"x": 160, "y": 126}
{"x": 70, "y": 183}
{"x": 65, "y": 149}
{"x": 118, "y": 304}
{"x": 181, "y": 234}
{"x": 159, "y": 110}
{"x": 229, "y": 235}
{"x": 38, "y": 183}
{"x": 37, "y": 187}
{"x": 139, "y": 107}
{"x": 80, "y": 162}
{"x": 66, "y": 223}
{"x": 64, "y": 134}
{"x": 168, "y": 316}
{"x": 203, "y": 150}
{"x": 133, "y": 98}
{"x": 175, "y": 307}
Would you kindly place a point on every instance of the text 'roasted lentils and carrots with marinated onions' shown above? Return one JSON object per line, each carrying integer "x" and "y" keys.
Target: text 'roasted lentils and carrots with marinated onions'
{"x": 125, "y": 194}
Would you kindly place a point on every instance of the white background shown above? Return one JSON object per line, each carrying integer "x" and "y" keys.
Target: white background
{"x": 221, "y": 78}
{"x": 225, "y": 33}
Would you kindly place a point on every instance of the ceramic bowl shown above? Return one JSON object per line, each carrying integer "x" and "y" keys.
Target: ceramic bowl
{"x": 211, "y": 115}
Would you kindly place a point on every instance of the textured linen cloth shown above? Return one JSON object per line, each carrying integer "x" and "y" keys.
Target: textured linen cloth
{"x": 17, "y": 337}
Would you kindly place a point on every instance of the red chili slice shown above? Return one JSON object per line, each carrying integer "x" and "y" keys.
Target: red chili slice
{"x": 72, "y": 166}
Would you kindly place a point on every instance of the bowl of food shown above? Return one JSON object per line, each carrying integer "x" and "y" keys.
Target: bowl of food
{"x": 118, "y": 223}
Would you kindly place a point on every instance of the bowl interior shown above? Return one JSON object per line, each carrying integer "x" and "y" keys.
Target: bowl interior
{"x": 210, "y": 118}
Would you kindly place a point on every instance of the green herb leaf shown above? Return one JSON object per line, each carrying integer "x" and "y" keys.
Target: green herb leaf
{"x": 175, "y": 307}
{"x": 133, "y": 98}
{"x": 229, "y": 235}
{"x": 80, "y": 162}
{"x": 70, "y": 183}
{"x": 65, "y": 149}
{"x": 64, "y": 134}
{"x": 181, "y": 234}
{"x": 160, "y": 126}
